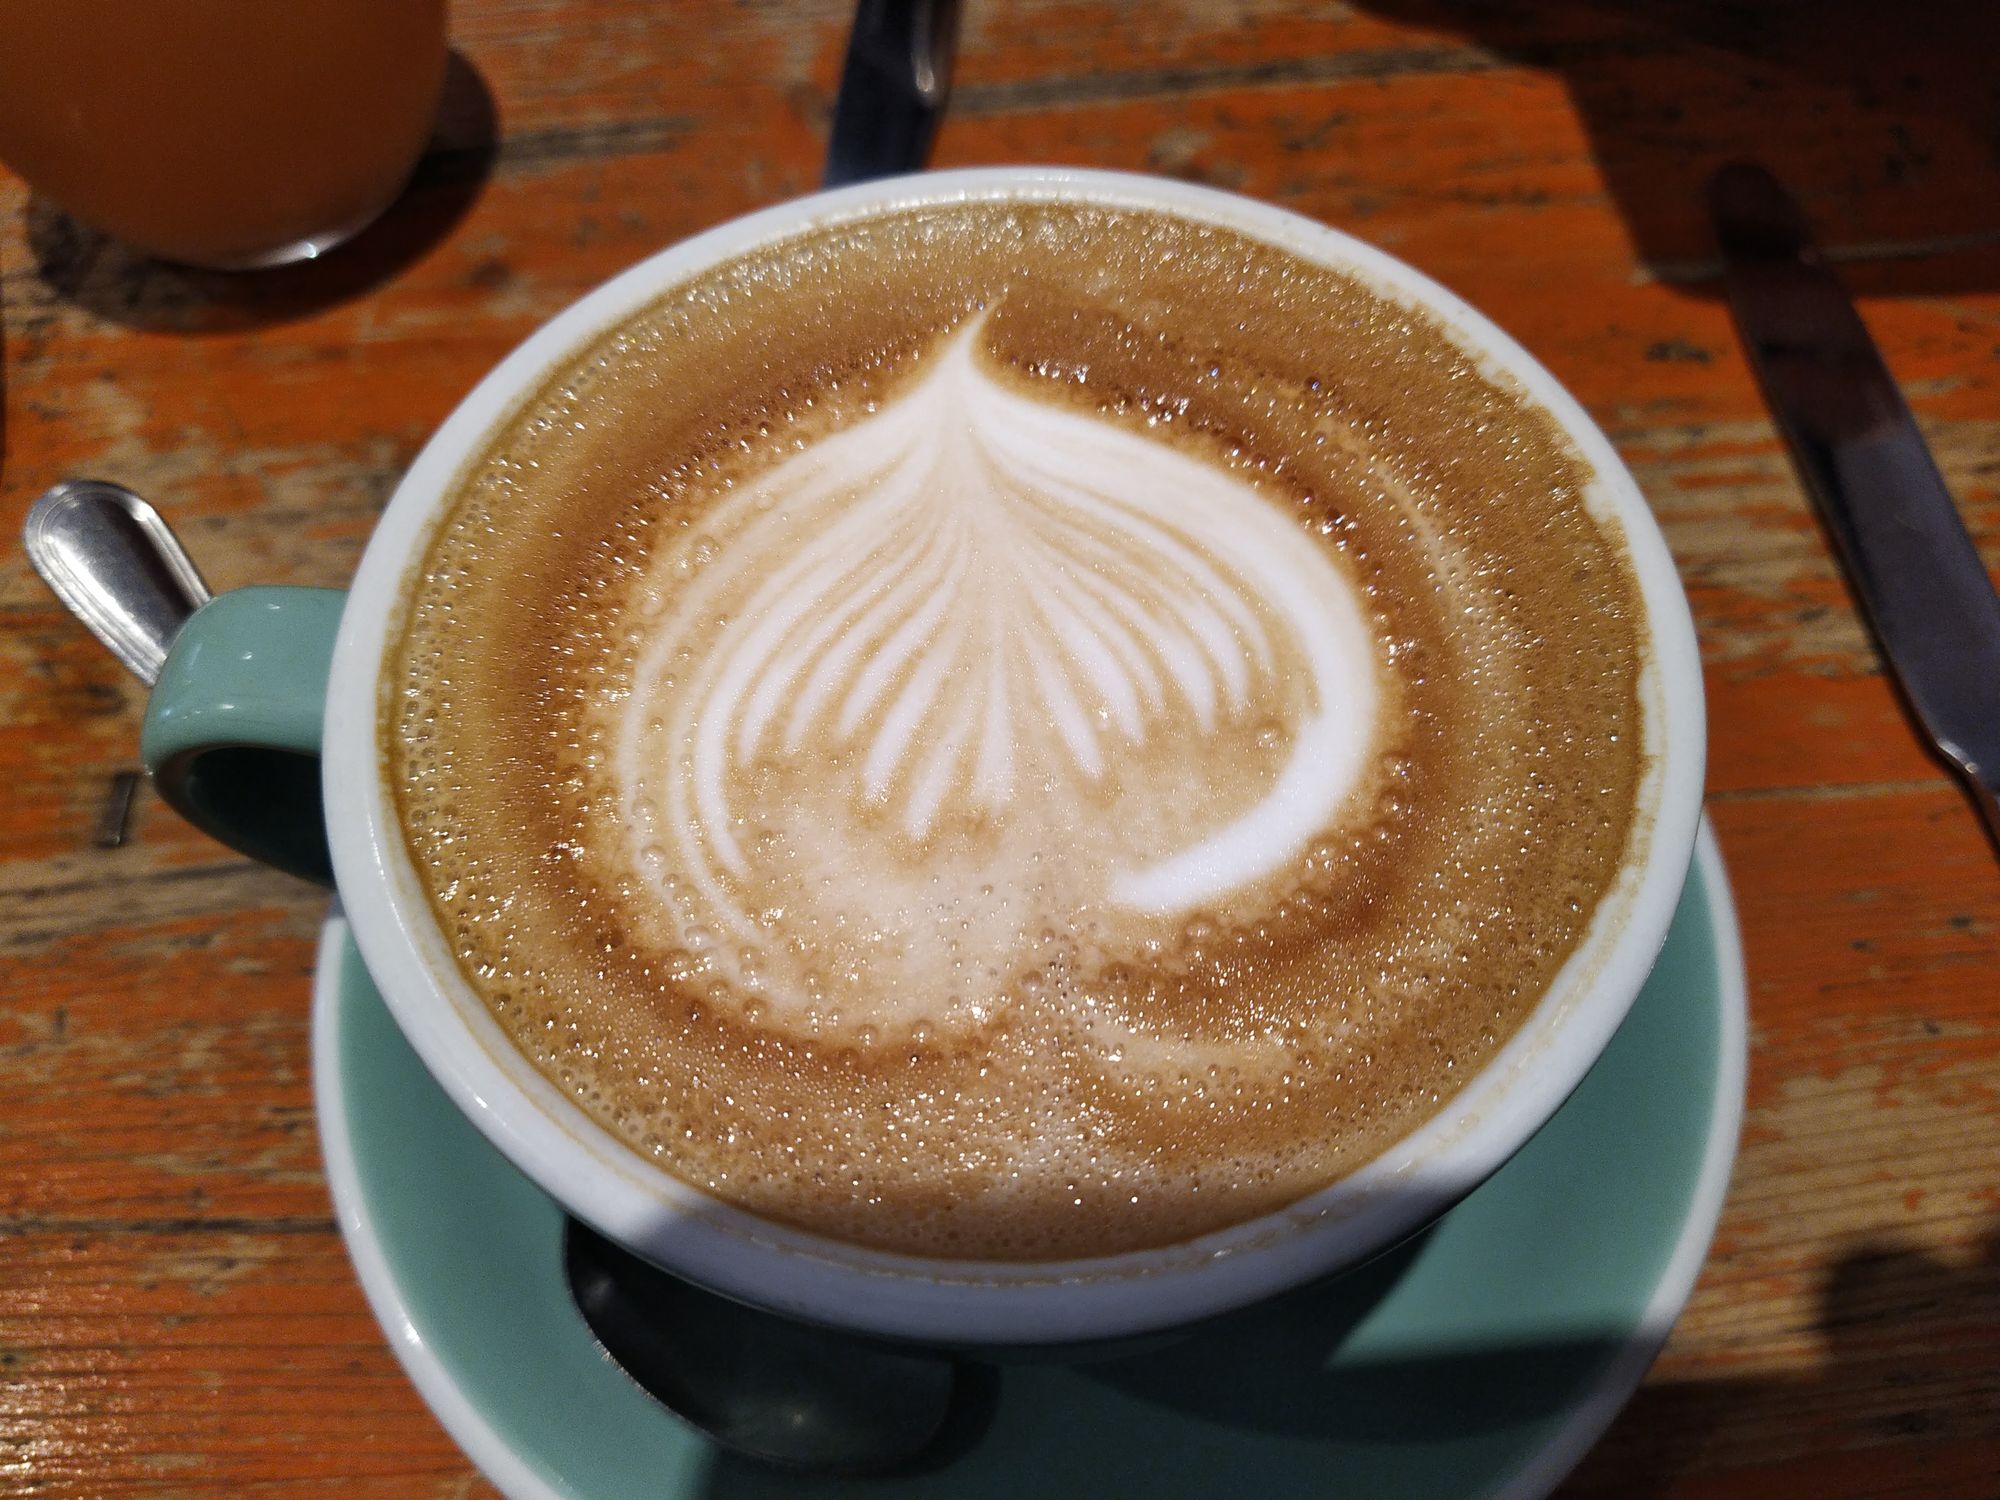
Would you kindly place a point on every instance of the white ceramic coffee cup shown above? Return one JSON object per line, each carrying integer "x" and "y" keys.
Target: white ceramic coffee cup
{"x": 787, "y": 1270}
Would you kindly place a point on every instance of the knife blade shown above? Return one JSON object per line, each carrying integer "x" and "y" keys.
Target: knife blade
{"x": 1861, "y": 458}
{"x": 893, "y": 88}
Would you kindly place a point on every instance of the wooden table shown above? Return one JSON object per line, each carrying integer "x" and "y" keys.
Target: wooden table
{"x": 177, "y": 1316}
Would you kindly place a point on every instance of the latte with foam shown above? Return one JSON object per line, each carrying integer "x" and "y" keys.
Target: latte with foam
{"x": 1017, "y": 730}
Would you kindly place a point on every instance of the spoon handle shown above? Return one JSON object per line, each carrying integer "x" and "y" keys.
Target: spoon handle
{"x": 113, "y": 561}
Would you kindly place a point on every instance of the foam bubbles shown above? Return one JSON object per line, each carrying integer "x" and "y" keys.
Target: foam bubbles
{"x": 859, "y": 938}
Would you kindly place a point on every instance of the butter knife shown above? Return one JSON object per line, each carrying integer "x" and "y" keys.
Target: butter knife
{"x": 1914, "y": 568}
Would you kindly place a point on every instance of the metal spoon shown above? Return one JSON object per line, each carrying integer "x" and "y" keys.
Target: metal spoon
{"x": 113, "y": 561}
{"x": 783, "y": 1392}
{"x": 108, "y": 556}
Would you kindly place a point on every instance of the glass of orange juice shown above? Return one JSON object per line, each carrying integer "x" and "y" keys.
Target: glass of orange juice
{"x": 221, "y": 133}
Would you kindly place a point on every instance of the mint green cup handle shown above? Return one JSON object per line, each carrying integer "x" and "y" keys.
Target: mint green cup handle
{"x": 232, "y": 731}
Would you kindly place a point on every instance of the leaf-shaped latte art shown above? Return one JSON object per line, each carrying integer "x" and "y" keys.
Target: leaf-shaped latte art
{"x": 973, "y": 670}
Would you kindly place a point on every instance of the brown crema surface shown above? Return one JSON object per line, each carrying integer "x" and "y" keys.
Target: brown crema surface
{"x": 1101, "y": 1094}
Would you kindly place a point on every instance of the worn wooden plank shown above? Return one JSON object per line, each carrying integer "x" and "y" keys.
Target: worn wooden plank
{"x": 176, "y": 1315}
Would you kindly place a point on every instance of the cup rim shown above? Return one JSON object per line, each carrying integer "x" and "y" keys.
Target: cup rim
{"x": 823, "y": 1280}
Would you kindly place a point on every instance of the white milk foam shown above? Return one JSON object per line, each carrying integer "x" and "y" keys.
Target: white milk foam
{"x": 973, "y": 676}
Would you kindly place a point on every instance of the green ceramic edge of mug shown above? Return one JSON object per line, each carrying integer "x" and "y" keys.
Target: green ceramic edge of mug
{"x": 232, "y": 731}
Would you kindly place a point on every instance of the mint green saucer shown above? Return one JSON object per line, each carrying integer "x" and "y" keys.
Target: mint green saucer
{"x": 1481, "y": 1359}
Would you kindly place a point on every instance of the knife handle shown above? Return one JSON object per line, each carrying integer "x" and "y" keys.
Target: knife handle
{"x": 1917, "y": 575}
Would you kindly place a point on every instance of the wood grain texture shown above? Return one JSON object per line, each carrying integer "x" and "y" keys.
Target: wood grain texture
{"x": 177, "y": 1317}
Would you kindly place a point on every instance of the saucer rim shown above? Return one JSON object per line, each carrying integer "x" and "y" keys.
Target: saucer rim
{"x": 1590, "y": 1416}
{"x": 1594, "y": 1413}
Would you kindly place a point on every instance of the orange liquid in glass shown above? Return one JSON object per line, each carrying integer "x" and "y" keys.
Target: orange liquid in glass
{"x": 219, "y": 132}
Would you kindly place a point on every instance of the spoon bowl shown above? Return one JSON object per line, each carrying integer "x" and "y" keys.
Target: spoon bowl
{"x": 771, "y": 1389}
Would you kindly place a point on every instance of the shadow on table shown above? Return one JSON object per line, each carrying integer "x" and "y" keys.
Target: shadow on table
{"x": 1883, "y": 119}
{"x": 88, "y": 268}
{"x": 1912, "y": 1348}
{"x": 1171, "y": 1422}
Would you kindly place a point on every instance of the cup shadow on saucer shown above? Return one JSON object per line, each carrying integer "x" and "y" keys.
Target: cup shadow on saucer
{"x": 1279, "y": 1375}
{"x": 1277, "y": 1368}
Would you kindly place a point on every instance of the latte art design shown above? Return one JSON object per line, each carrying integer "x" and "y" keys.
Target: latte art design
{"x": 1023, "y": 788}
{"x": 972, "y": 666}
